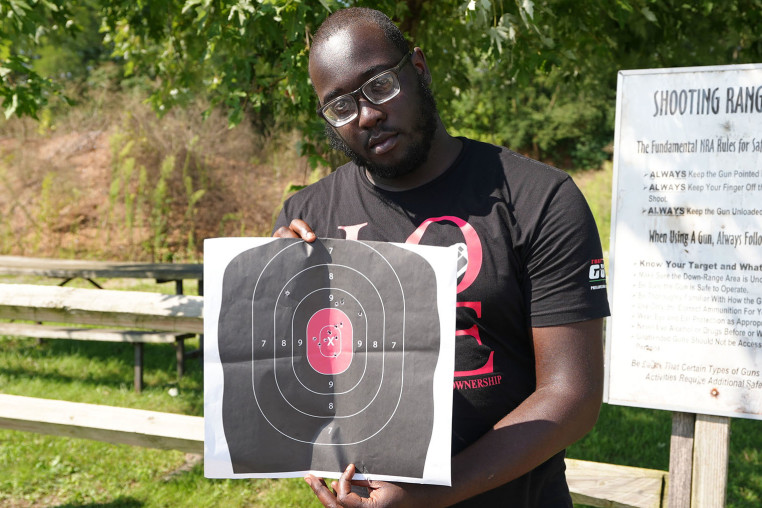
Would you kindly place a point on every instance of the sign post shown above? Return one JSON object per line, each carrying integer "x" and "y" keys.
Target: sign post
{"x": 681, "y": 460}
{"x": 686, "y": 260}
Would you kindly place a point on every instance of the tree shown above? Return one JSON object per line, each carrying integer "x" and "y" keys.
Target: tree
{"x": 23, "y": 24}
{"x": 537, "y": 75}
{"x": 554, "y": 92}
{"x": 252, "y": 56}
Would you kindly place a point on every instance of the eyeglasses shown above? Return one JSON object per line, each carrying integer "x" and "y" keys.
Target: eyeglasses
{"x": 378, "y": 89}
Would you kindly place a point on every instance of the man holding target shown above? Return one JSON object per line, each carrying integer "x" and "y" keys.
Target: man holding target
{"x": 529, "y": 352}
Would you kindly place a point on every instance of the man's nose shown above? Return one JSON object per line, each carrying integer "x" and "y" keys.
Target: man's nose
{"x": 370, "y": 114}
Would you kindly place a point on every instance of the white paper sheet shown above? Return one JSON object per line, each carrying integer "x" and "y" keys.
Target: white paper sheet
{"x": 320, "y": 355}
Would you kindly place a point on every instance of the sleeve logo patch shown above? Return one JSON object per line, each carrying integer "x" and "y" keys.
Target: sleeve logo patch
{"x": 597, "y": 274}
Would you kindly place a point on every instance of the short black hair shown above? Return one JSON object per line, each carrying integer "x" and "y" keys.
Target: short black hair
{"x": 355, "y": 15}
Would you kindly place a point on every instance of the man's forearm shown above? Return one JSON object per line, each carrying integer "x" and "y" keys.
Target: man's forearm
{"x": 520, "y": 442}
{"x": 563, "y": 408}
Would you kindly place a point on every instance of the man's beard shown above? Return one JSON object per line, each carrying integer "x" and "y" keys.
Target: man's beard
{"x": 416, "y": 154}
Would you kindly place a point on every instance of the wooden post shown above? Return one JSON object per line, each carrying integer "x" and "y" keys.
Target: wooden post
{"x": 138, "y": 366}
{"x": 698, "y": 461}
{"x": 201, "y": 336}
{"x": 710, "y": 461}
{"x": 180, "y": 357}
{"x": 681, "y": 460}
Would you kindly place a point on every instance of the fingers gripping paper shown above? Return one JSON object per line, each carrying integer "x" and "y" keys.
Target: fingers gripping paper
{"x": 320, "y": 355}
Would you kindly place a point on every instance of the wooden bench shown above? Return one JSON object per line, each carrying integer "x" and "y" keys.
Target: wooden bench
{"x": 68, "y": 269}
{"x": 55, "y": 312}
{"x": 611, "y": 485}
{"x": 591, "y": 483}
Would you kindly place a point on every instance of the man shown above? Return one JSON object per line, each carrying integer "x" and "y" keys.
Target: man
{"x": 528, "y": 378}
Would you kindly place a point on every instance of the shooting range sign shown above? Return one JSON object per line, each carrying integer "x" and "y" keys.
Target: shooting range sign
{"x": 686, "y": 242}
{"x": 324, "y": 354}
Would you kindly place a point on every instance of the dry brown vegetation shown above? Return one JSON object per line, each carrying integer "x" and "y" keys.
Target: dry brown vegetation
{"x": 119, "y": 183}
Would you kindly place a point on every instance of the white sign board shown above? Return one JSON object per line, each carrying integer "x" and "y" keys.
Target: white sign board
{"x": 686, "y": 242}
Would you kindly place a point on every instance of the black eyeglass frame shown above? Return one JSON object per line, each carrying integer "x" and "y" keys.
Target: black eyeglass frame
{"x": 395, "y": 70}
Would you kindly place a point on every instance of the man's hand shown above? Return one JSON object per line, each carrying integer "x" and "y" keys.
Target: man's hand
{"x": 297, "y": 229}
{"x": 381, "y": 494}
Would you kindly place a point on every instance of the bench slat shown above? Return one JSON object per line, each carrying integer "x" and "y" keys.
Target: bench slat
{"x": 74, "y": 268}
{"x": 103, "y": 423}
{"x": 133, "y": 309}
{"x": 95, "y": 334}
{"x": 610, "y": 485}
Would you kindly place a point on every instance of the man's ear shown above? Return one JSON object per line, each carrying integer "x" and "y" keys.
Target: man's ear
{"x": 419, "y": 62}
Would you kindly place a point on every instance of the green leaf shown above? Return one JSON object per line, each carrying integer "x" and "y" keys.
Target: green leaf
{"x": 326, "y": 5}
{"x": 50, "y": 5}
{"x": 528, "y": 7}
{"x": 497, "y": 35}
{"x": 649, "y": 15}
{"x": 11, "y": 109}
{"x": 19, "y": 6}
{"x": 294, "y": 188}
{"x": 190, "y": 4}
{"x": 195, "y": 197}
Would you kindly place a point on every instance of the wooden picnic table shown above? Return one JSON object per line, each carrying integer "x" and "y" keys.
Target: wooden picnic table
{"x": 68, "y": 269}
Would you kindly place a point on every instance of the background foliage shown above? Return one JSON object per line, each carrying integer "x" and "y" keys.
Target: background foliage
{"x": 536, "y": 75}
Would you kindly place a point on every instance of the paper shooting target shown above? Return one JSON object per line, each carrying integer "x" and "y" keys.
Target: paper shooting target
{"x": 328, "y": 353}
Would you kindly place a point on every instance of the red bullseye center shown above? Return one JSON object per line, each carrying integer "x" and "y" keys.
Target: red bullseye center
{"x": 329, "y": 341}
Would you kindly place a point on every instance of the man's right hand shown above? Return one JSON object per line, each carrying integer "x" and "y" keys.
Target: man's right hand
{"x": 297, "y": 229}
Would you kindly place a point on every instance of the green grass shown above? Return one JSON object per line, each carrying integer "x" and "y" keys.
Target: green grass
{"x": 627, "y": 436}
{"x": 43, "y": 470}
{"x": 54, "y": 471}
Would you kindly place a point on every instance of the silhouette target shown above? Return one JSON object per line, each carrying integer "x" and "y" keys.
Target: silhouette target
{"x": 328, "y": 353}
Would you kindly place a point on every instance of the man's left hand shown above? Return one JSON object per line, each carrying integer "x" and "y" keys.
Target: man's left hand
{"x": 381, "y": 494}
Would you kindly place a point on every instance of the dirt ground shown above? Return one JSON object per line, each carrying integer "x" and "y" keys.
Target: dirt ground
{"x": 62, "y": 193}
{"x": 75, "y": 190}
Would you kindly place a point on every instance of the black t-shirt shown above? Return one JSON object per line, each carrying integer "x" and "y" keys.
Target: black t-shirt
{"x": 530, "y": 257}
